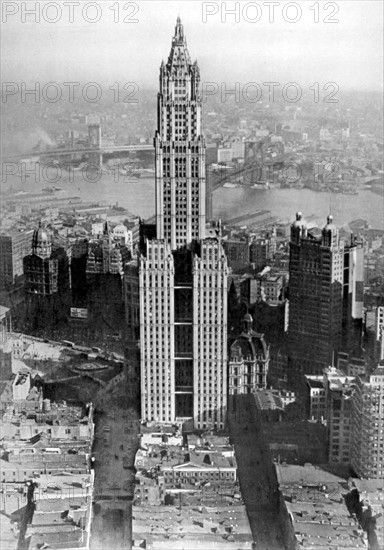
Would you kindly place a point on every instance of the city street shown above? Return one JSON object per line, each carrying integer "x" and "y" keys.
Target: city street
{"x": 256, "y": 474}
{"x": 116, "y": 441}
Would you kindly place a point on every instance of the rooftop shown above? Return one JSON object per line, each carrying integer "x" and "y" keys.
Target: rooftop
{"x": 267, "y": 400}
{"x": 314, "y": 500}
{"x": 315, "y": 381}
{"x": 176, "y": 457}
{"x": 200, "y": 523}
{"x": 379, "y": 371}
{"x": 3, "y": 311}
{"x": 292, "y": 474}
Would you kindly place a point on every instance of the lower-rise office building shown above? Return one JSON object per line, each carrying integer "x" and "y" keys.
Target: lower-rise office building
{"x": 367, "y": 448}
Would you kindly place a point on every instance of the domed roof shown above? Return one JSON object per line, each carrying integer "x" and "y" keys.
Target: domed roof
{"x": 40, "y": 236}
{"x": 330, "y": 225}
{"x": 250, "y": 345}
{"x": 248, "y": 318}
{"x": 299, "y": 221}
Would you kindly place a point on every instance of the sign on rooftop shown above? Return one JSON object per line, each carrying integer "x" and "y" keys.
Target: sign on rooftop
{"x": 79, "y": 313}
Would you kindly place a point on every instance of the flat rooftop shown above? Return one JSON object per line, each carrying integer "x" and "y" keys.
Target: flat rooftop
{"x": 314, "y": 500}
{"x": 308, "y": 474}
{"x": 202, "y": 523}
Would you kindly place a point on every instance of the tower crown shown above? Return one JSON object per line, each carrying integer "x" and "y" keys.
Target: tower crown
{"x": 298, "y": 228}
{"x": 179, "y": 37}
{"x": 41, "y": 242}
{"x": 179, "y": 60}
{"x": 180, "y": 148}
{"x": 330, "y": 234}
{"x": 299, "y": 222}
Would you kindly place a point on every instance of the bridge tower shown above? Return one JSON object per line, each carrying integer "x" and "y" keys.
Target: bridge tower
{"x": 94, "y": 138}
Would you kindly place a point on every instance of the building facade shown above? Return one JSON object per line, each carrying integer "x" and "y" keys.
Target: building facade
{"x": 367, "y": 443}
{"x": 270, "y": 288}
{"x": 262, "y": 250}
{"x": 40, "y": 268}
{"x": 315, "y": 297}
{"x": 338, "y": 398}
{"x": 13, "y": 248}
{"x": 379, "y": 330}
{"x": 237, "y": 252}
{"x": 316, "y": 406}
{"x": 354, "y": 280}
{"x": 182, "y": 274}
{"x": 180, "y": 149}
{"x": 105, "y": 267}
{"x": 248, "y": 361}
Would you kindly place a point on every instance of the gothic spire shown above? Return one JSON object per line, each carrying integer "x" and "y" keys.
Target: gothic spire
{"x": 179, "y": 59}
{"x": 179, "y": 32}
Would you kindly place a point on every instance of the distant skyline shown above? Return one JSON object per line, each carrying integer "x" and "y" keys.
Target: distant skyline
{"x": 348, "y": 52}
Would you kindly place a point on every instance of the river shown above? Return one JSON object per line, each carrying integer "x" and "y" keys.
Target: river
{"x": 138, "y": 196}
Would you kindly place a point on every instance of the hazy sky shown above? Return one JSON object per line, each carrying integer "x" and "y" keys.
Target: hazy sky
{"x": 348, "y": 52}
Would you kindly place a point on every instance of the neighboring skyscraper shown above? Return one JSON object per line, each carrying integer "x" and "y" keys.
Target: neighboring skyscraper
{"x": 14, "y": 246}
{"x": 315, "y": 297}
{"x": 367, "y": 444}
{"x": 379, "y": 330}
{"x": 40, "y": 269}
{"x": 47, "y": 283}
{"x": 338, "y": 403}
{"x": 79, "y": 256}
{"x": 353, "y": 297}
{"x": 183, "y": 275}
{"x": 104, "y": 274}
{"x": 107, "y": 256}
{"x": 354, "y": 281}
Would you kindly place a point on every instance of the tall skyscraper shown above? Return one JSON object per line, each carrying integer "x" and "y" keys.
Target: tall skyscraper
{"x": 315, "y": 296}
{"x": 183, "y": 272}
{"x": 40, "y": 267}
{"x": 180, "y": 149}
{"x": 105, "y": 267}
